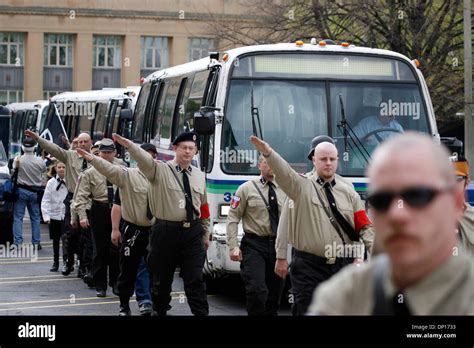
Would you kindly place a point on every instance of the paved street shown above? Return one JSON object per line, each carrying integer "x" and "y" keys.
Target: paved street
{"x": 29, "y": 288}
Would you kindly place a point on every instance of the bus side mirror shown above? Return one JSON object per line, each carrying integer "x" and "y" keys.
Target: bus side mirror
{"x": 204, "y": 121}
{"x": 126, "y": 115}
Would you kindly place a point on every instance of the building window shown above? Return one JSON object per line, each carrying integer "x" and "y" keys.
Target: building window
{"x": 200, "y": 47}
{"x": 11, "y": 48}
{"x": 154, "y": 52}
{"x": 50, "y": 94}
{"x": 58, "y": 50}
{"x": 7, "y": 97}
{"x": 106, "y": 51}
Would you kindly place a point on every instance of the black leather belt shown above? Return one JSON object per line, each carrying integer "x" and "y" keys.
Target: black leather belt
{"x": 102, "y": 204}
{"x": 136, "y": 227}
{"x": 177, "y": 224}
{"x": 270, "y": 238}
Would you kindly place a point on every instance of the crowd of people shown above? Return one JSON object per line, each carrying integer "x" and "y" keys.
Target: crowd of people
{"x": 130, "y": 228}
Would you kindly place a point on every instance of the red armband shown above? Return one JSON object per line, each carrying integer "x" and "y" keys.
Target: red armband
{"x": 205, "y": 214}
{"x": 361, "y": 219}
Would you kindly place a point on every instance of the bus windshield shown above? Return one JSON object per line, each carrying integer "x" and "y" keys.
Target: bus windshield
{"x": 300, "y": 96}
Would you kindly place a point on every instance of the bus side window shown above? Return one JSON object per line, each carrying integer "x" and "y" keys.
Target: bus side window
{"x": 99, "y": 121}
{"x": 158, "y": 107}
{"x": 141, "y": 109}
{"x": 178, "y": 114}
{"x": 168, "y": 111}
{"x": 181, "y": 124}
{"x": 195, "y": 99}
{"x": 153, "y": 110}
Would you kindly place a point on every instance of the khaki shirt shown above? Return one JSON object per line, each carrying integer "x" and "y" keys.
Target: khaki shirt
{"x": 133, "y": 189}
{"x": 70, "y": 158}
{"x": 310, "y": 229}
{"x": 284, "y": 223}
{"x": 92, "y": 185}
{"x": 248, "y": 205}
{"x": 166, "y": 199}
{"x": 466, "y": 229}
{"x": 449, "y": 290}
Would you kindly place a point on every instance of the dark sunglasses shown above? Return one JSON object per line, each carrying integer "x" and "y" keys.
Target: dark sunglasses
{"x": 415, "y": 197}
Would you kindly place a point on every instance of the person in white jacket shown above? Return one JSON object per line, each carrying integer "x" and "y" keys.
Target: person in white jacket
{"x": 53, "y": 208}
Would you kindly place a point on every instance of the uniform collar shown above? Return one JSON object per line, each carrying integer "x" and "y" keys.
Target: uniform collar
{"x": 59, "y": 179}
{"x": 424, "y": 296}
{"x": 178, "y": 168}
{"x": 265, "y": 182}
{"x": 321, "y": 182}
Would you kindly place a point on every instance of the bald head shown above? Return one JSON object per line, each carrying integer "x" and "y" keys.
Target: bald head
{"x": 84, "y": 142}
{"x": 325, "y": 160}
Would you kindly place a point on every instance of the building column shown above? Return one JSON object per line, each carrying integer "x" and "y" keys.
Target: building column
{"x": 130, "y": 69}
{"x": 178, "y": 50}
{"x": 33, "y": 66}
{"x": 82, "y": 70}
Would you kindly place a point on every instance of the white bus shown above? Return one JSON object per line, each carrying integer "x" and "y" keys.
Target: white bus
{"x": 25, "y": 115}
{"x": 288, "y": 93}
{"x": 98, "y": 112}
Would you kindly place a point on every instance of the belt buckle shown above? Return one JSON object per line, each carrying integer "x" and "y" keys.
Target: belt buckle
{"x": 186, "y": 224}
{"x": 330, "y": 260}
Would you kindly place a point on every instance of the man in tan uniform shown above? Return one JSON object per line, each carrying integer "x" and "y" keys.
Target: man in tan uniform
{"x": 180, "y": 235}
{"x": 416, "y": 208}
{"x": 281, "y": 265}
{"x": 93, "y": 185}
{"x": 134, "y": 225}
{"x": 466, "y": 224}
{"x": 327, "y": 221}
{"x": 74, "y": 166}
{"x": 257, "y": 203}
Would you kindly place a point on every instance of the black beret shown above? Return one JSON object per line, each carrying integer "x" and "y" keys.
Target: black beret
{"x": 107, "y": 144}
{"x": 29, "y": 142}
{"x": 186, "y": 136}
{"x": 148, "y": 147}
{"x": 318, "y": 140}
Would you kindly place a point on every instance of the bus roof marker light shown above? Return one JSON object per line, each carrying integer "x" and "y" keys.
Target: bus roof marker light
{"x": 322, "y": 44}
{"x": 299, "y": 43}
{"x": 225, "y": 57}
{"x": 142, "y": 79}
{"x": 345, "y": 44}
{"x": 417, "y": 62}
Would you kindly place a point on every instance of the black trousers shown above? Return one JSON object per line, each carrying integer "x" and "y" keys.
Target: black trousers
{"x": 104, "y": 259}
{"x": 85, "y": 248}
{"x": 307, "y": 271}
{"x": 170, "y": 247}
{"x": 72, "y": 234}
{"x": 130, "y": 257}
{"x": 263, "y": 287}
{"x": 56, "y": 228}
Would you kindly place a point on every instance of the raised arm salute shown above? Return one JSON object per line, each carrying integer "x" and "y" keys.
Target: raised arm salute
{"x": 326, "y": 222}
{"x": 178, "y": 200}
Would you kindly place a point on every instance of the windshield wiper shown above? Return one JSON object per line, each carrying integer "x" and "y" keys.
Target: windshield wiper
{"x": 255, "y": 115}
{"x": 349, "y": 134}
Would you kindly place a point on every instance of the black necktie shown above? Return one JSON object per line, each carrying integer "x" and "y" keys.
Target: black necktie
{"x": 110, "y": 192}
{"x": 60, "y": 182}
{"x": 273, "y": 203}
{"x": 399, "y": 305}
{"x": 84, "y": 164}
{"x": 346, "y": 227}
{"x": 189, "y": 202}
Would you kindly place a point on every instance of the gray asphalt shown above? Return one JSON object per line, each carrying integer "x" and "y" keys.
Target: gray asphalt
{"x": 27, "y": 287}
